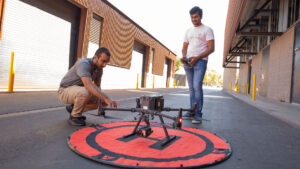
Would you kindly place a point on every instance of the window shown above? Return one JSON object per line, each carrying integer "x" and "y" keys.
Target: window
{"x": 293, "y": 14}
{"x": 95, "y": 35}
{"x": 2, "y": 5}
{"x": 151, "y": 56}
{"x": 95, "y": 30}
{"x": 274, "y": 17}
{"x": 264, "y": 27}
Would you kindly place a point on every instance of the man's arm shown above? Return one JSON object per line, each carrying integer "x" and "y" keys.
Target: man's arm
{"x": 210, "y": 49}
{"x": 94, "y": 90}
{"x": 184, "y": 50}
{"x": 98, "y": 84}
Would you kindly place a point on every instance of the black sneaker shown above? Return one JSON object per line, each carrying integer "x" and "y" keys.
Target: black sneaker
{"x": 69, "y": 108}
{"x": 76, "y": 121}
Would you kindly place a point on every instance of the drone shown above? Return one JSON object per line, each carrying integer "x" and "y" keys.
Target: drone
{"x": 150, "y": 106}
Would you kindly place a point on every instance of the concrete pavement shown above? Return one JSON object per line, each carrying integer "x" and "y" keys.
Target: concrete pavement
{"x": 289, "y": 113}
{"x": 36, "y": 137}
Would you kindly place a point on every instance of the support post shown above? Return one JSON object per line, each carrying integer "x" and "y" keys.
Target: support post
{"x": 247, "y": 89}
{"x": 11, "y": 73}
{"x": 153, "y": 82}
{"x": 174, "y": 83}
{"x": 137, "y": 81}
{"x": 168, "y": 80}
{"x": 254, "y": 87}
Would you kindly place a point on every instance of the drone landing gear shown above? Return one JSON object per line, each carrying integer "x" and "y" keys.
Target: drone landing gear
{"x": 145, "y": 131}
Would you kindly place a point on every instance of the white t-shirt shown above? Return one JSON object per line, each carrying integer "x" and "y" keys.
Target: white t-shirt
{"x": 197, "y": 37}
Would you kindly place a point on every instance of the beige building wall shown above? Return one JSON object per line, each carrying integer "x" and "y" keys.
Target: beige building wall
{"x": 280, "y": 67}
{"x": 119, "y": 34}
{"x": 229, "y": 76}
{"x": 243, "y": 76}
{"x": 256, "y": 69}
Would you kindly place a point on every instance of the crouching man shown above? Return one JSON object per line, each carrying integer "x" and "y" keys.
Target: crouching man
{"x": 80, "y": 87}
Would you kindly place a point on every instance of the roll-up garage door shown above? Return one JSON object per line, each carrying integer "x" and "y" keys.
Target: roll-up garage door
{"x": 95, "y": 35}
{"x": 43, "y": 34}
{"x": 136, "y": 68}
{"x": 137, "y": 62}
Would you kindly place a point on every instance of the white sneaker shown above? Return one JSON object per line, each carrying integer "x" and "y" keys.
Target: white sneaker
{"x": 197, "y": 120}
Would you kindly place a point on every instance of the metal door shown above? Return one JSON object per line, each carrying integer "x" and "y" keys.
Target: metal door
{"x": 296, "y": 68}
{"x": 264, "y": 71}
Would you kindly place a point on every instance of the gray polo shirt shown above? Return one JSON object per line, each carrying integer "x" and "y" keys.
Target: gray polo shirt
{"x": 82, "y": 68}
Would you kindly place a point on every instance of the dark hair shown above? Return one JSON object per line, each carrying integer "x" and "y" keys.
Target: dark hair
{"x": 102, "y": 50}
{"x": 196, "y": 9}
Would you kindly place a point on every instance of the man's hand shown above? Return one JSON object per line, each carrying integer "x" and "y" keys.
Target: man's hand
{"x": 110, "y": 103}
{"x": 193, "y": 61}
{"x": 184, "y": 60}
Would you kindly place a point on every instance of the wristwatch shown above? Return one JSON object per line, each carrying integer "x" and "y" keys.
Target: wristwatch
{"x": 199, "y": 57}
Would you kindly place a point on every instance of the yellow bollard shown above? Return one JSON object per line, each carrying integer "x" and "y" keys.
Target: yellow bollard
{"x": 177, "y": 83}
{"x": 244, "y": 89}
{"x": 168, "y": 82}
{"x": 254, "y": 87}
{"x": 237, "y": 88}
{"x": 174, "y": 83}
{"x": 153, "y": 82}
{"x": 11, "y": 73}
{"x": 247, "y": 92}
{"x": 137, "y": 81}
{"x": 230, "y": 86}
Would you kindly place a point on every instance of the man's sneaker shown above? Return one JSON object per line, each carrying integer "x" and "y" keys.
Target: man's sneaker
{"x": 197, "y": 120}
{"x": 76, "y": 121}
{"x": 69, "y": 108}
{"x": 187, "y": 116}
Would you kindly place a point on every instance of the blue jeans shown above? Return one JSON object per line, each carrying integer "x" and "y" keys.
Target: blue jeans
{"x": 195, "y": 77}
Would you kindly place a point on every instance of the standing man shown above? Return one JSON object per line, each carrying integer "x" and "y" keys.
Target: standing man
{"x": 80, "y": 87}
{"x": 198, "y": 44}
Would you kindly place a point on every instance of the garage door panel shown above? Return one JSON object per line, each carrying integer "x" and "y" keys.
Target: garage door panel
{"x": 41, "y": 42}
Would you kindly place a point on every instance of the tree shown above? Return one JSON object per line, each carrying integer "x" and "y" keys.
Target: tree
{"x": 212, "y": 78}
{"x": 177, "y": 64}
{"x": 205, "y": 81}
{"x": 219, "y": 80}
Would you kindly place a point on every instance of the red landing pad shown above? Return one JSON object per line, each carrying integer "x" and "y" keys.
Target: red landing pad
{"x": 191, "y": 148}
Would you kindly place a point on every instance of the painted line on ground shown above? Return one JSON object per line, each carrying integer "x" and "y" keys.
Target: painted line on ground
{"x": 30, "y": 112}
{"x": 14, "y": 114}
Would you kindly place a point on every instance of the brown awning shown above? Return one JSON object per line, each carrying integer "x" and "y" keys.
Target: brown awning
{"x": 235, "y": 9}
